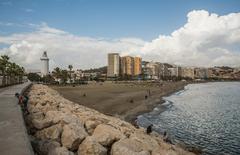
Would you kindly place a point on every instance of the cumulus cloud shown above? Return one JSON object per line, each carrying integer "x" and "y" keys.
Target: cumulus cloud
{"x": 64, "y": 48}
{"x": 205, "y": 40}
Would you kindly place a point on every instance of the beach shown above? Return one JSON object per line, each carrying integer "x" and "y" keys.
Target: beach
{"x": 123, "y": 100}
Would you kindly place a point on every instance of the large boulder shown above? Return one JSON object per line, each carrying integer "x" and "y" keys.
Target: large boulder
{"x": 52, "y": 133}
{"x": 148, "y": 142}
{"x": 41, "y": 123}
{"x": 91, "y": 147}
{"x": 60, "y": 151}
{"x": 43, "y": 147}
{"x": 72, "y": 135}
{"x": 128, "y": 146}
{"x": 106, "y": 134}
{"x": 92, "y": 123}
{"x": 59, "y": 116}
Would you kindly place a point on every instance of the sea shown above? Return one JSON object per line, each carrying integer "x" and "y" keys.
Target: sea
{"x": 204, "y": 116}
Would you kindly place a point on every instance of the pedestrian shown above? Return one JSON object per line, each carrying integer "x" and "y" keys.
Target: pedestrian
{"x": 146, "y": 97}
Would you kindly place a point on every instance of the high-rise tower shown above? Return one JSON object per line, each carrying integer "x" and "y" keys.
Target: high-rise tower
{"x": 45, "y": 64}
{"x": 113, "y": 65}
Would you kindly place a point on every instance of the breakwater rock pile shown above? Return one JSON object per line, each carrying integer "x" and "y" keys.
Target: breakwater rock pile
{"x": 60, "y": 127}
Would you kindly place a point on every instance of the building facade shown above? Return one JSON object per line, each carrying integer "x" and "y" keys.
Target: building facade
{"x": 113, "y": 68}
{"x": 127, "y": 65}
{"x": 175, "y": 71}
{"x": 188, "y": 72}
{"x": 137, "y": 66}
{"x": 201, "y": 73}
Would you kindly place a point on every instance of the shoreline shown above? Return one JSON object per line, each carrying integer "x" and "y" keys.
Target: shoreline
{"x": 133, "y": 116}
{"x": 117, "y": 102}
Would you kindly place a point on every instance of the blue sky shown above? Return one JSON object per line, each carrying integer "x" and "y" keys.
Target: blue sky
{"x": 82, "y": 32}
{"x": 145, "y": 19}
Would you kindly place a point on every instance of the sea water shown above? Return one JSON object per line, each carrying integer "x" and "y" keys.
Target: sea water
{"x": 205, "y": 116}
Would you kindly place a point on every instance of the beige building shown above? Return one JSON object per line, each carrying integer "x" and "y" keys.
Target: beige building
{"x": 113, "y": 68}
{"x": 127, "y": 65}
{"x": 188, "y": 72}
{"x": 137, "y": 66}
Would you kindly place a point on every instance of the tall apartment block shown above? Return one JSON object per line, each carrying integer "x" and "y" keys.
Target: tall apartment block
{"x": 137, "y": 66}
{"x": 127, "y": 65}
{"x": 113, "y": 68}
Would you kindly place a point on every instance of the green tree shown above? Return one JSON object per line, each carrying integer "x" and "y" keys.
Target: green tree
{"x": 34, "y": 77}
{"x": 57, "y": 73}
{"x": 64, "y": 76}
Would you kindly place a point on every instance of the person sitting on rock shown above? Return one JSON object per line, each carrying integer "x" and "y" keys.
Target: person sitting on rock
{"x": 166, "y": 137}
{"x": 149, "y": 129}
{"x": 19, "y": 97}
{"x": 135, "y": 123}
{"x": 25, "y": 103}
{"x": 23, "y": 100}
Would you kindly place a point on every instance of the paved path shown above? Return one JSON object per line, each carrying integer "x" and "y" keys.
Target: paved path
{"x": 13, "y": 135}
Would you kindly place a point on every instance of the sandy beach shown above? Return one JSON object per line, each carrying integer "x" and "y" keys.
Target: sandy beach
{"x": 123, "y": 100}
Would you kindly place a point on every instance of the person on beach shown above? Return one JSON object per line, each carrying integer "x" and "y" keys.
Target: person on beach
{"x": 149, "y": 129}
{"x": 146, "y": 97}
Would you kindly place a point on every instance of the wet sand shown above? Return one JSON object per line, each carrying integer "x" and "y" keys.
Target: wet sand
{"x": 123, "y": 100}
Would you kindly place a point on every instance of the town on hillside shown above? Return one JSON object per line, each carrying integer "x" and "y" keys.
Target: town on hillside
{"x": 125, "y": 68}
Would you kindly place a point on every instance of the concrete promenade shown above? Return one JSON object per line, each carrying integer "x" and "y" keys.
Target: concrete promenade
{"x": 13, "y": 134}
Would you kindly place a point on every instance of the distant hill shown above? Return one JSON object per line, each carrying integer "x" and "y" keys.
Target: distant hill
{"x": 102, "y": 70}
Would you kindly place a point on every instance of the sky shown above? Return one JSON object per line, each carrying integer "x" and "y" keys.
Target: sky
{"x": 81, "y": 32}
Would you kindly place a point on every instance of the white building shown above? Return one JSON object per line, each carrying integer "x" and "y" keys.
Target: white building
{"x": 175, "y": 71}
{"x": 113, "y": 65}
{"x": 45, "y": 64}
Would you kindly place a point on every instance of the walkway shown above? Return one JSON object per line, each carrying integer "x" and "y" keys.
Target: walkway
{"x": 13, "y": 135}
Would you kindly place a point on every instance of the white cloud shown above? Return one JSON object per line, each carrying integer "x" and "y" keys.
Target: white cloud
{"x": 28, "y": 10}
{"x": 63, "y": 48}
{"x": 205, "y": 40}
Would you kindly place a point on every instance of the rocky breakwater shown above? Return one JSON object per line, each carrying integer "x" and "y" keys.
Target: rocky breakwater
{"x": 60, "y": 127}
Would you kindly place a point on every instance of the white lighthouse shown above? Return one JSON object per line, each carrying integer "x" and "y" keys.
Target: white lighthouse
{"x": 45, "y": 64}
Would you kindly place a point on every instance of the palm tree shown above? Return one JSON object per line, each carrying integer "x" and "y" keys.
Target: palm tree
{"x": 57, "y": 73}
{"x": 4, "y": 60}
{"x": 64, "y": 74}
{"x": 70, "y": 67}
